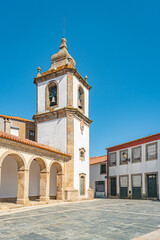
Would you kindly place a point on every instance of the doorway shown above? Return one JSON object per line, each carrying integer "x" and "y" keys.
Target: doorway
{"x": 152, "y": 186}
{"x": 113, "y": 186}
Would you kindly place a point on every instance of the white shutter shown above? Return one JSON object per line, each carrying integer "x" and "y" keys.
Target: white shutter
{"x": 124, "y": 181}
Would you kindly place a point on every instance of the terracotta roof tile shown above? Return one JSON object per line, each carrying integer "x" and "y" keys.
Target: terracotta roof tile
{"x": 29, "y": 142}
{"x": 96, "y": 160}
{"x": 138, "y": 141}
{"x": 16, "y": 118}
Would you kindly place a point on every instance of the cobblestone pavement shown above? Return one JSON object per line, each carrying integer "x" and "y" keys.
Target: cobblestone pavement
{"x": 97, "y": 219}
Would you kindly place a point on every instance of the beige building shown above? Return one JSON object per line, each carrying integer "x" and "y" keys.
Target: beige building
{"x": 48, "y": 158}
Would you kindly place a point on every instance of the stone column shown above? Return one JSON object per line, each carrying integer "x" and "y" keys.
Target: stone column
{"x": 23, "y": 187}
{"x": 44, "y": 186}
{"x": 0, "y": 178}
{"x": 60, "y": 190}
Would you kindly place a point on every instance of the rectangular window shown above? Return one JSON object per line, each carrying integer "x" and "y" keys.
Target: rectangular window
{"x": 100, "y": 186}
{"x": 32, "y": 135}
{"x": 112, "y": 159}
{"x": 136, "y": 154}
{"x": 136, "y": 181}
{"x": 151, "y": 151}
{"x": 124, "y": 181}
{"x": 102, "y": 168}
{"x": 14, "y": 131}
{"x": 123, "y": 156}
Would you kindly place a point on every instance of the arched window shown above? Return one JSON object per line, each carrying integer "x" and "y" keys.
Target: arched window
{"x": 51, "y": 95}
{"x": 82, "y": 179}
{"x": 81, "y": 98}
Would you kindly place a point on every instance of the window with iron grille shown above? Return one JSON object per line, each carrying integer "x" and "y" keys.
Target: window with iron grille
{"x": 102, "y": 168}
{"x": 112, "y": 159}
{"x": 136, "y": 154}
{"x": 151, "y": 151}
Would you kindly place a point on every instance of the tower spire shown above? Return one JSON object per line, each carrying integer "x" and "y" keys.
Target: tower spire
{"x": 64, "y": 29}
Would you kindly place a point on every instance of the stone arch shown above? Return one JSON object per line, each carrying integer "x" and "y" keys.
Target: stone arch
{"x": 41, "y": 161}
{"x": 38, "y": 179}
{"x": 59, "y": 179}
{"x": 13, "y": 177}
{"x": 21, "y": 162}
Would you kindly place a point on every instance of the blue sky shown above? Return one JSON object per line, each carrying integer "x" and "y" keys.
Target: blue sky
{"x": 115, "y": 43}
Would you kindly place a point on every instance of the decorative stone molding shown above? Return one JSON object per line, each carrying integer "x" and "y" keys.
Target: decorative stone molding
{"x": 59, "y": 72}
{"x": 82, "y": 154}
{"x": 82, "y": 126}
{"x": 63, "y": 112}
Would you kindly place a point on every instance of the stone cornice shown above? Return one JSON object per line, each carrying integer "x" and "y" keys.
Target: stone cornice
{"x": 63, "y": 112}
{"x": 59, "y": 72}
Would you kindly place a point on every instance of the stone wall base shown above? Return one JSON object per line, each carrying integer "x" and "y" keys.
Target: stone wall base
{"x": 11, "y": 199}
{"x": 90, "y": 193}
{"x": 71, "y": 194}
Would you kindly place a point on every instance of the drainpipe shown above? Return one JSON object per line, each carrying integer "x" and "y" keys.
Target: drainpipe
{"x": 107, "y": 173}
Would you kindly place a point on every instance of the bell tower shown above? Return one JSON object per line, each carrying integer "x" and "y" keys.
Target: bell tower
{"x": 62, "y": 119}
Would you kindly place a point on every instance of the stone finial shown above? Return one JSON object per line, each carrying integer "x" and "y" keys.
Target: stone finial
{"x": 86, "y": 78}
{"x": 39, "y": 72}
{"x": 62, "y": 58}
{"x": 63, "y": 44}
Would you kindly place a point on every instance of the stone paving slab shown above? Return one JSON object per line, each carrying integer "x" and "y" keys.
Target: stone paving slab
{"x": 155, "y": 235}
{"x": 113, "y": 219}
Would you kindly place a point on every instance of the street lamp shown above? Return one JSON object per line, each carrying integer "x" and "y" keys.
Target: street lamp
{"x": 124, "y": 155}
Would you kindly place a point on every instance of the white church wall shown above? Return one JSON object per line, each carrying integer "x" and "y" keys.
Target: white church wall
{"x": 81, "y": 141}
{"x": 62, "y": 86}
{"x": 53, "y": 181}
{"x": 76, "y": 83}
{"x": 34, "y": 179}
{"x": 9, "y": 178}
{"x": 54, "y": 133}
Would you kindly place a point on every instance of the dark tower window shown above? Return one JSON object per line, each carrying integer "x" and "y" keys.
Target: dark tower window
{"x": 53, "y": 94}
{"x": 81, "y": 98}
{"x": 32, "y": 135}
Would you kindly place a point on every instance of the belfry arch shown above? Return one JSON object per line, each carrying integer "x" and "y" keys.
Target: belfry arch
{"x": 56, "y": 181}
{"x": 13, "y": 178}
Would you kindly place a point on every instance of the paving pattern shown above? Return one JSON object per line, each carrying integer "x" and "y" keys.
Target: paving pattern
{"x": 112, "y": 219}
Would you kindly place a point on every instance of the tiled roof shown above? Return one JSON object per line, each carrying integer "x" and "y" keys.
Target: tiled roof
{"x": 96, "y": 160}
{"x": 139, "y": 141}
{"x": 16, "y": 118}
{"x": 29, "y": 142}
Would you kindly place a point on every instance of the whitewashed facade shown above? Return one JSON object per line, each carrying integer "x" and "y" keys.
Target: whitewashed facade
{"x": 98, "y": 176}
{"x": 137, "y": 175}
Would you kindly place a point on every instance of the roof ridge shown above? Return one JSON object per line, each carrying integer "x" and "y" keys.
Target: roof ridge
{"x": 132, "y": 141}
{"x": 16, "y": 118}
